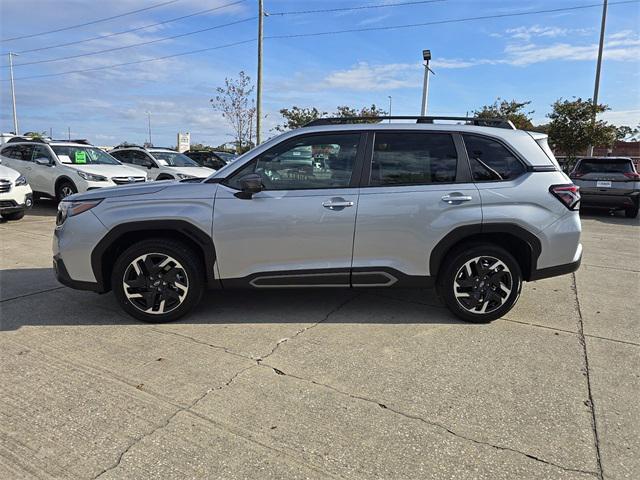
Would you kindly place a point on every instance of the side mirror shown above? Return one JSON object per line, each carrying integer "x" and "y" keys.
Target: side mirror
{"x": 149, "y": 164}
{"x": 43, "y": 161}
{"x": 249, "y": 184}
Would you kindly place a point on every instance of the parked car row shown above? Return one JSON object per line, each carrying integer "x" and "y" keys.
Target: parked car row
{"x": 59, "y": 168}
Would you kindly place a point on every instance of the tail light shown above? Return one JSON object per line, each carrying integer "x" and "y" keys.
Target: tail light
{"x": 632, "y": 175}
{"x": 568, "y": 194}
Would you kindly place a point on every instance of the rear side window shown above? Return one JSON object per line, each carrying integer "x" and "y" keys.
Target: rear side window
{"x": 604, "y": 166}
{"x": 19, "y": 152}
{"x": 413, "y": 159}
{"x": 490, "y": 160}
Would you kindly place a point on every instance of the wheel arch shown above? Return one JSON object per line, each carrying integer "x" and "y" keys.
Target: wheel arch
{"x": 521, "y": 243}
{"x": 63, "y": 179}
{"x": 124, "y": 235}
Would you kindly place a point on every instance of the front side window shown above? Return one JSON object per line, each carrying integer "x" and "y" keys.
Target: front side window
{"x": 41, "y": 152}
{"x": 490, "y": 160}
{"x": 77, "y": 155}
{"x": 310, "y": 162}
{"x": 173, "y": 159}
{"x": 409, "y": 158}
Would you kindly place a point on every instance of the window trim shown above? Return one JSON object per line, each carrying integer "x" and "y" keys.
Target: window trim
{"x": 462, "y": 167}
{"x": 356, "y": 174}
{"x": 525, "y": 167}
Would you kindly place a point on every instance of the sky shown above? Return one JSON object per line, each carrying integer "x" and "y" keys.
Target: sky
{"x": 529, "y": 57}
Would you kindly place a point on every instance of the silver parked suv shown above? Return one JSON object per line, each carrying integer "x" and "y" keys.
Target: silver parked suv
{"x": 474, "y": 207}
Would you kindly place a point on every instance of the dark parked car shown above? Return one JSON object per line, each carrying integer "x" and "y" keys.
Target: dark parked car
{"x": 211, "y": 159}
{"x": 608, "y": 182}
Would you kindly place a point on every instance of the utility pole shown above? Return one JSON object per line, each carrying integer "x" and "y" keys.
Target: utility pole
{"x": 69, "y": 133}
{"x": 596, "y": 88}
{"x": 389, "y": 107}
{"x": 149, "y": 121}
{"x": 259, "y": 83}
{"x": 13, "y": 93}
{"x": 426, "y": 56}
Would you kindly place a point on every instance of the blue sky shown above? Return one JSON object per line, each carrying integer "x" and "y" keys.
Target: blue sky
{"x": 531, "y": 57}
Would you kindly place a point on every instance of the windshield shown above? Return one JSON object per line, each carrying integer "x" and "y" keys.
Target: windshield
{"x": 83, "y": 155}
{"x": 227, "y": 157}
{"x": 605, "y": 166}
{"x": 173, "y": 159}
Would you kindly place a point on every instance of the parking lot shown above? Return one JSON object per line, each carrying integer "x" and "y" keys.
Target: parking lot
{"x": 322, "y": 384}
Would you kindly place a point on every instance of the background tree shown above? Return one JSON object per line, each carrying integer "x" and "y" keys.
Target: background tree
{"x": 372, "y": 111}
{"x": 296, "y": 117}
{"x": 511, "y": 110}
{"x": 235, "y": 101}
{"x": 624, "y": 132}
{"x": 571, "y": 128}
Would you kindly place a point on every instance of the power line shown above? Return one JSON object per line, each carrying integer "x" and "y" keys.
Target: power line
{"x": 123, "y": 47}
{"x": 345, "y": 9}
{"x": 136, "y": 62}
{"x": 93, "y": 22}
{"x": 151, "y": 25}
{"x": 334, "y": 32}
{"x": 441, "y": 22}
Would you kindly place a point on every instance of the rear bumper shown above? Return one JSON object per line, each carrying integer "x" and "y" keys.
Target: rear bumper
{"x": 608, "y": 200}
{"x": 556, "y": 270}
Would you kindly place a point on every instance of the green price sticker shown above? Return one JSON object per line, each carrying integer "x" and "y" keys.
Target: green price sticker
{"x": 80, "y": 157}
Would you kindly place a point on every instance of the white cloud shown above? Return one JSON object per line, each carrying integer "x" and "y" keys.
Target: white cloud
{"x": 537, "y": 31}
{"x": 364, "y": 76}
{"x": 622, "y": 117}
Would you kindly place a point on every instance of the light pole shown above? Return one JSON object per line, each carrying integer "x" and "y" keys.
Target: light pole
{"x": 426, "y": 56}
{"x": 389, "y": 107}
{"x": 13, "y": 93}
{"x": 596, "y": 87}
{"x": 259, "y": 82}
{"x": 149, "y": 122}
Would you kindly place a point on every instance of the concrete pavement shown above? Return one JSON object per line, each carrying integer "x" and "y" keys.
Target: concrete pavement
{"x": 340, "y": 384}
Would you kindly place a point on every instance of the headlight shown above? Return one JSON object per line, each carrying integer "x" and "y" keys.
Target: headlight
{"x": 70, "y": 209}
{"x": 184, "y": 176}
{"x": 92, "y": 177}
{"x": 21, "y": 180}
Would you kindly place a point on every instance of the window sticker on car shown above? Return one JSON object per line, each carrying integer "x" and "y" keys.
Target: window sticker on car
{"x": 162, "y": 162}
{"x": 80, "y": 157}
{"x": 65, "y": 159}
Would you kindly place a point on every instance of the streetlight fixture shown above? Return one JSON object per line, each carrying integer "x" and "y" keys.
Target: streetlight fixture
{"x": 426, "y": 57}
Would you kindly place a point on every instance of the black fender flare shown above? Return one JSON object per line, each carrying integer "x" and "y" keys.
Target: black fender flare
{"x": 459, "y": 234}
{"x": 199, "y": 237}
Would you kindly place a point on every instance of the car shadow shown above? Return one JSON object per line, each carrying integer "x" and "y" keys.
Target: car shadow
{"x": 43, "y": 207}
{"x": 32, "y": 297}
{"x": 615, "y": 217}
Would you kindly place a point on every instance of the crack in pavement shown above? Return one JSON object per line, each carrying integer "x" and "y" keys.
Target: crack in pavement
{"x": 30, "y": 294}
{"x": 301, "y": 331}
{"x": 168, "y": 421}
{"x": 428, "y": 422}
{"x": 592, "y": 407}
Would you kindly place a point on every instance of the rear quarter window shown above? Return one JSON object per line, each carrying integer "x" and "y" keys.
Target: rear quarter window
{"x": 491, "y": 160}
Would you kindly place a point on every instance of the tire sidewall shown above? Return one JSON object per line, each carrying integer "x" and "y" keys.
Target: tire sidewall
{"x": 455, "y": 261}
{"x": 179, "y": 252}
{"x": 62, "y": 184}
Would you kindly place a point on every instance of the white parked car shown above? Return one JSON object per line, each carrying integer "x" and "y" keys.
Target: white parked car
{"x": 160, "y": 163}
{"x": 58, "y": 168}
{"x": 15, "y": 194}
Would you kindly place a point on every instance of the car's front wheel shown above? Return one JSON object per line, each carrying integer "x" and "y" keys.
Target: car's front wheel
{"x": 158, "y": 281}
{"x": 480, "y": 282}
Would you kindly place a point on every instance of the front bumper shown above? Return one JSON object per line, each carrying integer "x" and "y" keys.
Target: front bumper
{"x": 12, "y": 206}
{"x": 64, "y": 278}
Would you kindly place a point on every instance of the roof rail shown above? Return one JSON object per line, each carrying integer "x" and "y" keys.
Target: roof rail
{"x": 83, "y": 141}
{"x": 17, "y": 139}
{"x": 482, "y": 122}
{"x": 129, "y": 145}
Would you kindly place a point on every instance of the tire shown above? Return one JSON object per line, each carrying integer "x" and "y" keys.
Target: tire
{"x": 64, "y": 189}
{"x": 14, "y": 215}
{"x": 480, "y": 296}
{"x": 631, "y": 212}
{"x": 175, "y": 288}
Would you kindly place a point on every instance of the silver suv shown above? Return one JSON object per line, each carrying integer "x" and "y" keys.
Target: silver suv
{"x": 476, "y": 208}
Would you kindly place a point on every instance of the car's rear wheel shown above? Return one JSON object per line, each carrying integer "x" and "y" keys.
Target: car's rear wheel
{"x": 480, "y": 282}
{"x": 158, "y": 281}
{"x": 631, "y": 212}
{"x": 64, "y": 189}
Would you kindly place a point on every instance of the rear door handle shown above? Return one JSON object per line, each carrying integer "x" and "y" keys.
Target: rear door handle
{"x": 337, "y": 204}
{"x": 451, "y": 198}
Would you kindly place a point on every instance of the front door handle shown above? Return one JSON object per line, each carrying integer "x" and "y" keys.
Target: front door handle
{"x": 337, "y": 204}
{"x": 452, "y": 198}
